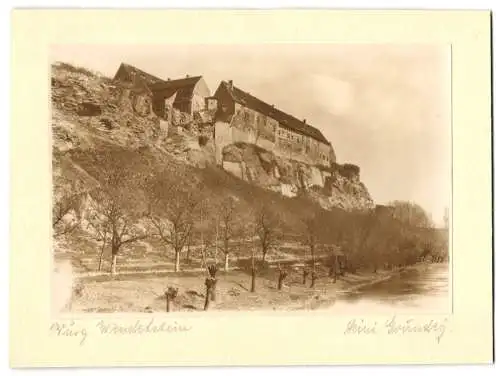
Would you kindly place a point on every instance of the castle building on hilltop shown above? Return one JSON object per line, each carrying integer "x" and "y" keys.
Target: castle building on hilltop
{"x": 131, "y": 74}
{"x": 237, "y": 116}
{"x": 186, "y": 95}
{"x": 241, "y": 117}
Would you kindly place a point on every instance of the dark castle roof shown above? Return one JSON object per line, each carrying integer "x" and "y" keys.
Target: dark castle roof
{"x": 184, "y": 87}
{"x": 176, "y": 84}
{"x": 285, "y": 120}
{"x": 148, "y": 78}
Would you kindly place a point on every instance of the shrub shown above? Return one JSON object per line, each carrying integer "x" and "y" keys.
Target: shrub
{"x": 74, "y": 69}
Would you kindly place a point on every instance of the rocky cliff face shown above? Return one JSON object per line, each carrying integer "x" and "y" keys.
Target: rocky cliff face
{"x": 338, "y": 186}
{"x": 90, "y": 112}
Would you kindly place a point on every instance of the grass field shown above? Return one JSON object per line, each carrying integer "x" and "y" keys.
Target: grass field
{"x": 134, "y": 290}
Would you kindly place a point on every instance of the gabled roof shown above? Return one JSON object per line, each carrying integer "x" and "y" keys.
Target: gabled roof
{"x": 183, "y": 88}
{"x": 285, "y": 120}
{"x": 148, "y": 78}
{"x": 176, "y": 84}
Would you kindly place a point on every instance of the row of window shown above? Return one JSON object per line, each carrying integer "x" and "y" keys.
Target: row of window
{"x": 285, "y": 133}
{"x": 322, "y": 156}
{"x": 290, "y": 135}
{"x": 250, "y": 117}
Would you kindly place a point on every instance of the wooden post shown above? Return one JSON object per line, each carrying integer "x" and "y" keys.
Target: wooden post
{"x": 188, "y": 252}
{"x": 209, "y": 283}
{"x": 216, "y": 240}
{"x": 254, "y": 271}
{"x": 102, "y": 253}
{"x": 313, "y": 279}
{"x": 305, "y": 273}
{"x": 212, "y": 270}
{"x": 170, "y": 294}
{"x": 282, "y": 275}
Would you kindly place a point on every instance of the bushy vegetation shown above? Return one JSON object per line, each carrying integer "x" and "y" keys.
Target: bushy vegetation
{"x": 184, "y": 204}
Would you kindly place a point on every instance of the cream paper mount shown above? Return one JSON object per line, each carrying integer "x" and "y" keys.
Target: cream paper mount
{"x": 458, "y": 332}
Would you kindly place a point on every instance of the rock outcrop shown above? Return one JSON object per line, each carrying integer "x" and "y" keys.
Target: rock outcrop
{"x": 337, "y": 186}
{"x": 89, "y": 110}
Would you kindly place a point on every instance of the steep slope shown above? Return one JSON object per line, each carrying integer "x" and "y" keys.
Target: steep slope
{"x": 93, "y": 116}
{"x": 338, "y": 186}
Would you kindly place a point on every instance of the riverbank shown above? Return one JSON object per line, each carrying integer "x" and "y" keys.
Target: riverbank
{"x": 144, "y": 293}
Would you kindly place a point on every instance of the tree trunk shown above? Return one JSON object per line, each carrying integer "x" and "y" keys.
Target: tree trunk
{"x": 254, "y": 274}
{"x": 101, "y": 255}
{"x": 226, "y": 262}
{"x": 188, "y": 254}
{"x": 313, "y": 263}
{"x": 333, "y": 268}
{"x": 113, "y": 263}
{"x": 207, "y": 300}
{"x": 305, "y": 273}
{"x": 313, "y": 279}
{"x": 281, "y": 278}
{"x": 213, "y": 291}
{"x": 177, "y": 260}
{"x": 168, "y": 303}
{"x": 210, "y": 294}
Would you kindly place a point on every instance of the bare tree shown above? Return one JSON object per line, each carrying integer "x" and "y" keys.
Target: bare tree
{"x": 175, "y": 223}
{"x": 282, "y": 274}
{"x": 312, "y": 232}
{"x": 121, "y": 223}
{"x": 230, "y": 226}
{"x": 171, "y": 210}
{"x": 446, "y": 218}
{"x": 189, "y": 245}
{"x": 332, "y": 272}
{"x": 267, "y": 230}
{"x": 361, "y": 233}
{"x": 204, "y": 226}
{"x": 305, "y": 274}
{"x": 253, "y": 271}
{"x": 411, "y": 214}
{"x": 64, "y": 204}
{"x": 102, "y": 232}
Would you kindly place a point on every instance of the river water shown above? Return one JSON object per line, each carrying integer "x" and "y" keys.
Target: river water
{"x": 421, "y": 290}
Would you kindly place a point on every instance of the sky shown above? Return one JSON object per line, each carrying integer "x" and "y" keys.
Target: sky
{"x": 386, "y": 108}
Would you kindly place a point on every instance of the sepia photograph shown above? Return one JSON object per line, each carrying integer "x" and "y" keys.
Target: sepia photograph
{"x": 251, "y": 177}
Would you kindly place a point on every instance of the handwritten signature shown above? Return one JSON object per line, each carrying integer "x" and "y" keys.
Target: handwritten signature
{"x": 394, "y": 327}
{"x": 69, "y": 329}
{"x": 73, "y": 329}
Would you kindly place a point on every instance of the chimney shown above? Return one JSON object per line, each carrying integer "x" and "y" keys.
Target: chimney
{"x": 187, "y": 75}
{"x": 168, "y": 79}
{"x": 304, "y": 121}
{"x": 230, "y": 82}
